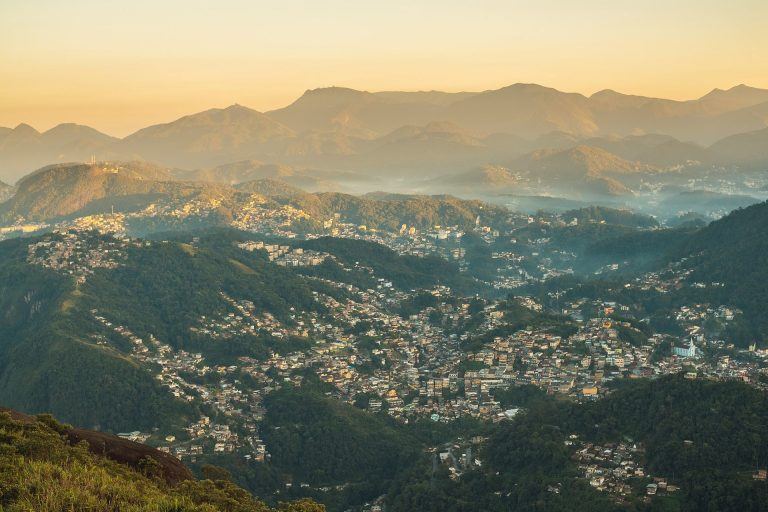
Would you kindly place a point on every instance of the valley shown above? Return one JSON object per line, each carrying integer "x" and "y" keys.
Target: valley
{"x": 383, "y": 256}
{"x": 433, "y": 318}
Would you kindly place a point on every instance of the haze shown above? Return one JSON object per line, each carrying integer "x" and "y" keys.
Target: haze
{"x": 118, "y": 67}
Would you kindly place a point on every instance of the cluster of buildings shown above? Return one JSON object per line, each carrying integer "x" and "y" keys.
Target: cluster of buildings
{"x": 286, "y": 256}
{"x": 261, "y": 216}
{"x": 71, "y": 254}
{"x": 614, "y": 468}
{"x": 458, "y": 456}
{"x": 114, "y": 223}
{"x": 444, "y": 362}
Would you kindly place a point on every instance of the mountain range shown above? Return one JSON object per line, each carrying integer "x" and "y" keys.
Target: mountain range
{"x": 427, "y": 134}
{"x": 67, "y": 191}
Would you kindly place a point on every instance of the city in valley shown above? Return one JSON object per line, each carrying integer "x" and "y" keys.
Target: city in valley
{"x": 382, "y": 256}
{"x": 430, "y": 353}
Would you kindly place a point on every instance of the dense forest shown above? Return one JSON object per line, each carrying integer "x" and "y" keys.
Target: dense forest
{"x": 734, "y": 251}
{"x": 47, "y": 363}
{"x": 321, "y": 441}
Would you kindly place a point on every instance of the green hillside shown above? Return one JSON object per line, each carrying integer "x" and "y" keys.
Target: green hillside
{"x": 42, "y": 472}
{"x": 704, "y": 437}
{"x": 405, "y": 272}
{"x": 165, "y": 287}
{"x": 317, "y": 439}
{"x": 62, "y": 190}
{"x": 6, "y": 191}
{"x": 55, "y": 356}
{"x": 734, "y": 251}
{"x": 270, "y": 187}
{"x": 48, "y": 363}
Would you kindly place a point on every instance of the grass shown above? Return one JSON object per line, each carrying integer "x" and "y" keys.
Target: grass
{"x": 242, "y": 267}
{"x": 70, "y": 301}
{"x": 81, "y": 486}
{"x": 40, "y": 472}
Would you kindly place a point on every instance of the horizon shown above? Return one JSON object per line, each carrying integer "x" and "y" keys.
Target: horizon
{"x": 121, "y": 67}
{"x": 48, "y": 127}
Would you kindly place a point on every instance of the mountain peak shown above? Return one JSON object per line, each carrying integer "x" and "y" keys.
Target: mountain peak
{"x": 334, "y": 90}
{"x": 739, "y": 90}
{"x": 236, "y": 107}
{"x": 607, "y": 93}
{"x": 24, "y": 128}
{"x": 66, "y": 132}
{"x": 528, "y": 88}
{"x": 330, "y": 97}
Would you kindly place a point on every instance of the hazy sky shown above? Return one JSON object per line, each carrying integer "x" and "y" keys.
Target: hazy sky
{"x": 118, "y": 66}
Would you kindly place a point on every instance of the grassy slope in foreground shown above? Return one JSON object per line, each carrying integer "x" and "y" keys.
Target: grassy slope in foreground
{"x": 40, "y": 471}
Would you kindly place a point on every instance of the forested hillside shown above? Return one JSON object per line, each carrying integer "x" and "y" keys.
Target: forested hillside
{"x": 705, "y": 437}
{"x": 49, "y": 364}
{"x": 605, "y": 215}
{"x": 316, "y": 439}
{"x": 405, "y": 272}
{"x": 55, "y": 357}
{"x": 733, "y": 251}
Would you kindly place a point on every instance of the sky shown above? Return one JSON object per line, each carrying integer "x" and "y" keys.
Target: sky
{"x": 119, "y": 66}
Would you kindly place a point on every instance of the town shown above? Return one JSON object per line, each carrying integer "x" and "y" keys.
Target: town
{"x": 447, "y": 360}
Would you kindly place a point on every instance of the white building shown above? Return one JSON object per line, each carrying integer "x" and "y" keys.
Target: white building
{"x": 690, "y": 351}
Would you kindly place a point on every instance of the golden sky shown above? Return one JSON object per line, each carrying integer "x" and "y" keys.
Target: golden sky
{"x": 118, "y": 66}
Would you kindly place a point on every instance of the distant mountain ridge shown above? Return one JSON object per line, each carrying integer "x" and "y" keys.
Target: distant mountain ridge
{"x": 249, "y": 170}
{"x": 232, "y": 133}
{"x": 67, "y": 191}
{"x": 590, "y": 170}
{"x": 64, "y": 189}
{"x": 23, "y": 149}
{"x": 431, "y": 133}
{"x": 748, "y": 149}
